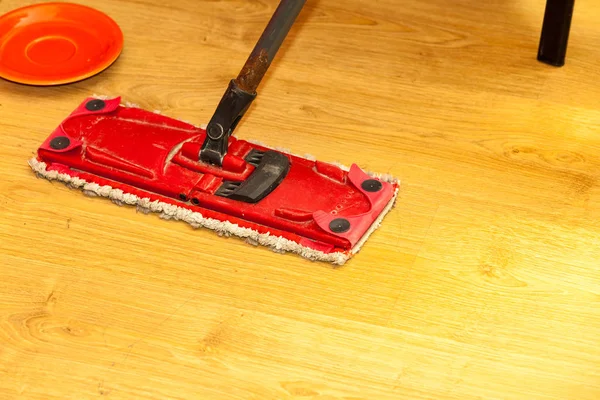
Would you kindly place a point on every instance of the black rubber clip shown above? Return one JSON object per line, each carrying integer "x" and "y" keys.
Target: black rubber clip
{"x": 230, "y": 110}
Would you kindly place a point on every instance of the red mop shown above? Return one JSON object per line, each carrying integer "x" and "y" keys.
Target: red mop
{"x": 210, "y": 179}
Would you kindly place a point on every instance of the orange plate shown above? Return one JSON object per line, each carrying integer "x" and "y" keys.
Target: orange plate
{"x": 56, "y": 43}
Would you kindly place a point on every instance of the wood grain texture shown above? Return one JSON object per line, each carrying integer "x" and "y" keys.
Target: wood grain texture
{"x": 483, "y": 283}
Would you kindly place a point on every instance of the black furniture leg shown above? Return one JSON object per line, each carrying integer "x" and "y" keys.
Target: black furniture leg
{"x": 555, "y": 32}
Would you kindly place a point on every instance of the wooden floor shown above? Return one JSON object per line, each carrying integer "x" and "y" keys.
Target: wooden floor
{"x": 483, "y": 282}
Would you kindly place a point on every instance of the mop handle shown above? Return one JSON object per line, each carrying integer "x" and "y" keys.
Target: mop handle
{"x": 242, "y": 90}
{"x": 267, "y": 46}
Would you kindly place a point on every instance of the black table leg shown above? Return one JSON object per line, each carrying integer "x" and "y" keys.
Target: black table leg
{"x": 555, "y": 32}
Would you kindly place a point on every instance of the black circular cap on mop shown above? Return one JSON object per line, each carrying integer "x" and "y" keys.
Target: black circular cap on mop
{"x": 60, "y": 142}
{"x": 339, "y": 225}
{"x": 95, "y": 105}
{"x": 371, "y": 185}
{"x": 215, "y": 131}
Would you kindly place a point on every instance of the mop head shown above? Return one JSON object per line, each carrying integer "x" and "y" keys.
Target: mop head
{"x": 269, "y": 197}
